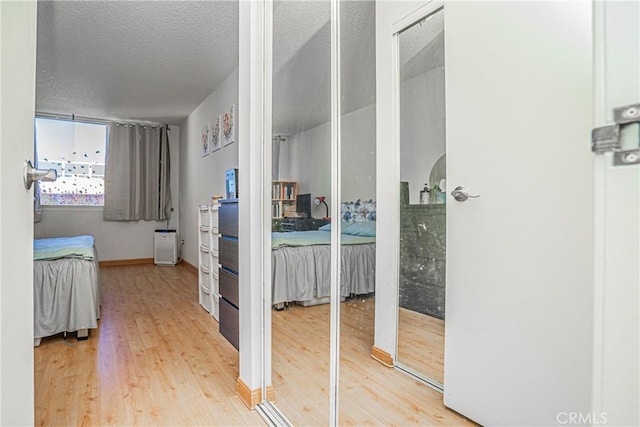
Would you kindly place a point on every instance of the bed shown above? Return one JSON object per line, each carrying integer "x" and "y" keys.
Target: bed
{"x": 301, "y": 262}
{"x": 66, "y": 287}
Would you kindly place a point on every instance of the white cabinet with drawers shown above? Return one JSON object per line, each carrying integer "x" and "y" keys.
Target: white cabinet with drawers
{"x": 208, "y": 288}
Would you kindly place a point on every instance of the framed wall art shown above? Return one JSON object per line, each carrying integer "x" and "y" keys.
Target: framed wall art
{"x": 205, "y": 148}
{"x": 228, "y": 126}
{"x": 215, "y": 140}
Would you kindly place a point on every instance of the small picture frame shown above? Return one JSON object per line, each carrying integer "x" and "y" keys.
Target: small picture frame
{"x": 205, "y": 148}
{"x": 215, "y": 140}
{"x": 228, "y": 126}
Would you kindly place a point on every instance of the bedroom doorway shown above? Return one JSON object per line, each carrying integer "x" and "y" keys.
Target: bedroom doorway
{"x": 422, "y": 207}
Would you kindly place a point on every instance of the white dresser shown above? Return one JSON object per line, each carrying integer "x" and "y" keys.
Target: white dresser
{"x": 208, "y": 264}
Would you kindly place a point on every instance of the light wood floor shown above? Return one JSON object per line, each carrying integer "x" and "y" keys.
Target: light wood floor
{"x": 157, "y": 359}
{"x": 369, "y": 393}
{"x": 421, "y": 343}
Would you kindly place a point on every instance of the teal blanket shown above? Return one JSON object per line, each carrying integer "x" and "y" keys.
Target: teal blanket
{"x": 315, "y": 237}
{"x": 63, "y": 247}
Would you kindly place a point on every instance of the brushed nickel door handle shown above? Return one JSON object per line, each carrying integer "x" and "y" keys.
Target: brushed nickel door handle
{"x": 461, "y": 194}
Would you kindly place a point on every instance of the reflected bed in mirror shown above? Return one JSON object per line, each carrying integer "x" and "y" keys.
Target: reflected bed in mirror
{"x": 301, "y": 260}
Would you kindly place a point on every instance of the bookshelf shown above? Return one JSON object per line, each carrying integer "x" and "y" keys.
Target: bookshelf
{"x": 283, "y": 198}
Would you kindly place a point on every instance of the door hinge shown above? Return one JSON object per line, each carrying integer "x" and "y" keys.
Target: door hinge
{"x": 607, "y": 138}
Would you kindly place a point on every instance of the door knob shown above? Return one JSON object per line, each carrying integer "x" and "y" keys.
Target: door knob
{"x": 31, "y": 174}
{"x": 461, "y": 194}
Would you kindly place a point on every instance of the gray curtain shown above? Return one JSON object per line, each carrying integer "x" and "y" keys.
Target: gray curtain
{"x": 137, "y": 173}
{"x": 275, "y": 158}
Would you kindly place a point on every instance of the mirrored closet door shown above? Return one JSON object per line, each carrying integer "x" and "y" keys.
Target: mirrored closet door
{"x": 360, "y": 379}
{"x": 423, "y": 187}
{"x": 300, "y": 199}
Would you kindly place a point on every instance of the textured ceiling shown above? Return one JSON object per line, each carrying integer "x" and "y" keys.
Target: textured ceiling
{"x": 422, "y": 47}
{"x": 141, "y": 60}
{"x": 158, "y": 60}
{"x": 301, "y": 80}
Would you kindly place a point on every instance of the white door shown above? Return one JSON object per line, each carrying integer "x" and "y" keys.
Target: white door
{"x": 519, "y": 306}
{"x": 18, "y": 34}
{"x": 616, "y": 376}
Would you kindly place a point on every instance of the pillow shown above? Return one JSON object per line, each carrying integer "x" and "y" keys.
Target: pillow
{"x": 358, "y": 211}
{"x": 364, "y": 229}
{"x": 326, "y": 227}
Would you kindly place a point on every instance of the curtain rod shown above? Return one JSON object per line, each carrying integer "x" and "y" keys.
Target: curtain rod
{"x": 74, "y": 118}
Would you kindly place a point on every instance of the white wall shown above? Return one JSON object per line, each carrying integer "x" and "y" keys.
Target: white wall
{"x": 358, "y": 156}
{"x": 387, "y": 162}
{"x": 18, "y": 35}
{"x": 305, "y": 158}
{"x": 422, "y": 132}
{"x": 203, "y": 177}
{"x": 115, "y": 240}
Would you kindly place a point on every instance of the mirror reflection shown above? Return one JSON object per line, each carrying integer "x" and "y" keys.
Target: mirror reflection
{"x": 360, "y": 378}
{"x": 422, "y": 207}
{"x": 300, "y": 197}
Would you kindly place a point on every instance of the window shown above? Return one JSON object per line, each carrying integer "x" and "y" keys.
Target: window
{"x": 76, "y": 150}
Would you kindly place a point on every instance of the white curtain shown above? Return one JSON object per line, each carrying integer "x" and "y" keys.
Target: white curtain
{"x": 137, "y": 173}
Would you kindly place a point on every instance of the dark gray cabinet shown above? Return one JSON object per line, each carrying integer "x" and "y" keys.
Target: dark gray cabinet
{"x": 228, "y": 273}
{"x": 302, "y": 224}
{"x": 422, "y": 251}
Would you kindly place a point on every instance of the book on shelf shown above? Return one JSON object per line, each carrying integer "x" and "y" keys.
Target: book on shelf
{"x": 283, "y": 190}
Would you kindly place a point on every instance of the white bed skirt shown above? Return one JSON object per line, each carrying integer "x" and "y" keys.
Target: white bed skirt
{"x": 302, "y": 273}
{"x": 66, "y": 296}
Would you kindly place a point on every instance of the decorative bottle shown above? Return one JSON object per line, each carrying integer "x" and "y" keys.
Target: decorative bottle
{"x": 424, "y": 195}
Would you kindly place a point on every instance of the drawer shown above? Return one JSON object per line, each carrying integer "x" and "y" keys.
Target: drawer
{"x": 213, "y": 245}
{"x": 205, "y": 259}
{"x": 213, "y": 270}
{"x": 229, "y": 322}
{"x": 215, "y": 312}
{"x": 228, "y": 219}
{"x": 215, "y": 283}
{"x": 229, "y": 286}
{"x": 206, "y": 300}
{"x": 205, "y": 219}
{"x": 213, "y": 221}
{"x": 205, "y": 280}
{"x": 204, "y": 238}
{"x": 228, "y": 253}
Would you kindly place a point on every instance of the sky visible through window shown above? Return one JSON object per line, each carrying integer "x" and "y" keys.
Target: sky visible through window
{"x": 76, "y": 151}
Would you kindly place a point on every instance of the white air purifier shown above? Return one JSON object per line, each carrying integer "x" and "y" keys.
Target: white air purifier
{"x": 165, "y": 247}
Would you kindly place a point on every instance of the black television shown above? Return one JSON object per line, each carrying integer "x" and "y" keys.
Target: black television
{"x": 303, "y": 205}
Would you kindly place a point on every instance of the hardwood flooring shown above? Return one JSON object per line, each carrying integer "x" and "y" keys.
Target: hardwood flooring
{"x": 157, "y": 359}
{"x": 421, "y": 343}
{"x": 369, "y": 393}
